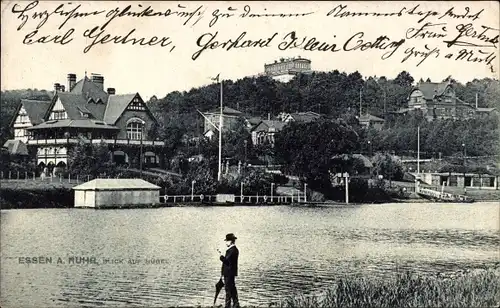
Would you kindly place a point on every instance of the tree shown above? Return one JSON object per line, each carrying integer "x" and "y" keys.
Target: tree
{"x": 387, "y": 166}
{"x": 308, "y": 154}
{"x": 235, "y": 141}
{"x": 404, "y": 79}
{"x": 91, "y": 160}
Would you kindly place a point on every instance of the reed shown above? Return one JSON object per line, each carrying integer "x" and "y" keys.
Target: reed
{"x": 473, "y": 289}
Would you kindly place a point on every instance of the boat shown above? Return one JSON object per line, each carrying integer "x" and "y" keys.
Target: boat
{"x": 437, "y": 196}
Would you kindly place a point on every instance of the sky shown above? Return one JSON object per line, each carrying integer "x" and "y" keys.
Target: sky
{"x": 156, "y": 70}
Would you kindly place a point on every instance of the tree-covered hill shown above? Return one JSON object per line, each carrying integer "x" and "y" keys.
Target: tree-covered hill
{"x": 334, "y": 94}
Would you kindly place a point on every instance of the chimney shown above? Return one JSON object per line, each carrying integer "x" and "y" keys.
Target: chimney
{"x": 476, "y": 100}
{"x": 62, "y": 87}
{"x": 57, "y": 87}
{"x": 111, "y": 91}
{"x": 71, "y": 81}
{"x": 98, "y": 80}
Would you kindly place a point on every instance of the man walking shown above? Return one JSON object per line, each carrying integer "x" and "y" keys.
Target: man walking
{"x": 230, "y": 270}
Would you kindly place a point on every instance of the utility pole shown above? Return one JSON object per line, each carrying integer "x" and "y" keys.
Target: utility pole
{"x": 464, "y": 153}
{"x": 346, "y": 177}
{"x": 385, "y": 103}
{"x": 360, "y": 103}
{"x": 220, "y": 134}
{"x": 418, "y": 150}
{"x": 140, "y": 156}
{"x": 417, "y": 184}
{"x": 192, "y": 189}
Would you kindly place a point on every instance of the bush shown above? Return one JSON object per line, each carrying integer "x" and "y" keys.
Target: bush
{"x": 36, "y": 198}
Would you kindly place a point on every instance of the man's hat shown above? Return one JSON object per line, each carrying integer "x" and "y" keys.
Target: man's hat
{"x": 230, "y": 237}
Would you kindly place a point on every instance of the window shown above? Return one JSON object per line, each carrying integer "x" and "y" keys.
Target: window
{"x": 58, "y": 115}
{"x": 134, "y": 130}
{"x": 21, "y": 133}
{"x": 22, "y": 118}
{"x": 136, "y": 105}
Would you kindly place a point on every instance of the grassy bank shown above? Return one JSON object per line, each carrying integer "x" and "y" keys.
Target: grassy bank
{"x": 480, "y": 289}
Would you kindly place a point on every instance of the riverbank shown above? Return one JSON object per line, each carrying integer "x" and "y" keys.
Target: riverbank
{"x": 473, "y": 289}
{"x": 19, "y": 194}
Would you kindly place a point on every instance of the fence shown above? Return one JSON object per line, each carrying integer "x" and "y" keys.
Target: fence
{"x": 248, "y": 199}
{"x": 35, "y": 177}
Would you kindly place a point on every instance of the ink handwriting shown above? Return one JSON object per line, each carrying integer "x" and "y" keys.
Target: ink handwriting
{"x": 99, "y": 36}
{"x": 44, "y": 15}
{"x": 341, "y": 11}
{"x": 478, "y": 38}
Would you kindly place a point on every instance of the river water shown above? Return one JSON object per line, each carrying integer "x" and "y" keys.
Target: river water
{"x": 283, "y": 250}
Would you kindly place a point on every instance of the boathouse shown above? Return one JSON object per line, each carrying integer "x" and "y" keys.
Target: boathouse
{"x": 116, "y": 193}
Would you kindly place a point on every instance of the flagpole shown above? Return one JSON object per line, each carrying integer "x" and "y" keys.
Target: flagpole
{"x": 220, "y": 136}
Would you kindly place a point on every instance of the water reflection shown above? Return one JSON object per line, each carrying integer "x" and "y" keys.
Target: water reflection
{"x": 283, "y": 250}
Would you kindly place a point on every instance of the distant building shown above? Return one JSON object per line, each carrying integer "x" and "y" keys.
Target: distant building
{"x": 285, "y": 69}
{"x": 302, "y": 117}
{"x": 457, "y": 179}
{"x": 484, "y": 112}
{"x": 251, "y": 122}
{"x": 368, "y": 120}
{"x": 230, "y": 120}
{"x": 438, "y": 101}
{"x": 265, "y": 132}
{"x": 86, "y": 113}
{"x": 362, "y": 170}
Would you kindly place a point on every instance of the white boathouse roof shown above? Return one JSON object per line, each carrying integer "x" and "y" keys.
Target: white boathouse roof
{"x": 116, "y": 184}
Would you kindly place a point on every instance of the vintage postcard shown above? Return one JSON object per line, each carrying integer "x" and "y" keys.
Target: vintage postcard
{"x": 250, "y": 154}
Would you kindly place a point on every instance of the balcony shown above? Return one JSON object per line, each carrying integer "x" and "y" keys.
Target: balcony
{"x": 64, "y": 141}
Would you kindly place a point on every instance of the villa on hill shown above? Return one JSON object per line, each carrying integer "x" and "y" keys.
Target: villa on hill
{"x": 438, "y": 100}
{"x": 87, "y": 113}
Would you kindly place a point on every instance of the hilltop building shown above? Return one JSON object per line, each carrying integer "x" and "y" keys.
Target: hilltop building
{"x": 286, "y": 69}
{"x": 87, "y": 113}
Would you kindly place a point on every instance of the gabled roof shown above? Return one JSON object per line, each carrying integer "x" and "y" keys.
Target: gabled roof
{"x": 35, "y": 109}
{"x": 254, "y": 120}
{"x": 16, "y": 147}
{"x": 75, "y": 104}
{"x": 116, "y": 105}
{"x": 307, "y": 116}
{"x": 402, "y": 110}
{"x": 88, "y": 89}
{"x": 431, "y": 89}
{"x": 265, "y": 125}
{"x": 226, "y": 111}
{"x": 370, "y": 118}
{"x": 79, "y": 123}
{"x": 116, "y": 184}
{"x": 485, "y": 109}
